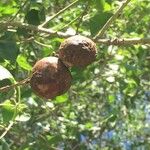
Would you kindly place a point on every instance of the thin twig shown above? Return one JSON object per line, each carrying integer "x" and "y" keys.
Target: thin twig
{"x": 7, "y": 129}
{"x": 19, "y": 10}
{"x": 68, "y": 24}
{"x": 52, "y": 33}
{"x": 23, "y": 82}
{"x": 81, "y": 18}
{"x": 33, "y": 28}
{"x": 111, "y": 19}
{"x": 42, "y": 44}
{"x": 57, "y": 14}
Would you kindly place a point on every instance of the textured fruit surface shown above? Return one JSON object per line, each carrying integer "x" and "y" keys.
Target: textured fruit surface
{"x": 50, "y": 78}
{"x": 78, "y": 51}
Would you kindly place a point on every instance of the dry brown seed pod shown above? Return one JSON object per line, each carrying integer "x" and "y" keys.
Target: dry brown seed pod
{"x": 78, "y": 51}
{"x": 50, "y": 78}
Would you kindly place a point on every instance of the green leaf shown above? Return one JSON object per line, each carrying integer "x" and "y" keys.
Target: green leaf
{"x": 61, "y": 99}
{"x": 98, "y": 21}
{"x": 36, "y": 14}
{"x": 78, "y": 74}
{"x": 8, "y": 48}
{"x": 4, "y": 145}
{"x": 107, "y": 7}
{"x": 72, "y": 115}
{"x": 111, "y": 98}
{"x": 21, "y": 107}
{"x": 32, "y": 17}
{"x": 131, "y": 87}
{"x": 22, "y": 62}
{"x": 7, "y": 10}
{"x": 8, "y": 111}
{"x": 100, "y": 4}
{"x": 54, "y": 139}
{"x": 88, "y": 125}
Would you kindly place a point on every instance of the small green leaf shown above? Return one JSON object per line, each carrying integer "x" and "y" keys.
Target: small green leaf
{"x": 111, "y": 98}
{"x": 88, "y": 125}
{"x": 36, "y": 14}
{"x": 21, "y": 107}
{"x": 4, "y": 145}
{"x": 100, "y": 4}
{"x": 131, "y": 87}
{"x": 54, "y": 139}
{"x": 7, "y": 10}
{"x": 22, "y": 62}
{"x": 8, "y": 47}
{"x": 98, "y": 21}
{"x": 72, "y": 115}
{"x": 61, "y": 99}
{"x": 107, "y": 7}
{"x": 8, "y": 111}
{"x": 32, "y": 17}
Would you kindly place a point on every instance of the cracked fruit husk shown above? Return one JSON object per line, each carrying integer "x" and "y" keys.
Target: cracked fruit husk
{"x": 77, "y": 51}
{"x": 50, "y": 78}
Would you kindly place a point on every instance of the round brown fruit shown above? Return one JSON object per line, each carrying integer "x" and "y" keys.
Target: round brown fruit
{"x": 50, "y": 78}
{"x": 77, "y": 51}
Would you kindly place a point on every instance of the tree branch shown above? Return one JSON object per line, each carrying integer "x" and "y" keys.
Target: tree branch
{"x": 111, "y": 19}
{"x": 23, "y": 82}
{"x": 33, "y": 28}
{"x": 81, "y": 18}
{"x": 124, "y": 41}
{"x": 57, "y": 14}
{"x": 50, "y": 32}
{"x": 7, "y": 129}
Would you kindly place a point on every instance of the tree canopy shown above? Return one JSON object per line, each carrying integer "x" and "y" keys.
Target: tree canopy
{"x": 107, "y": 106}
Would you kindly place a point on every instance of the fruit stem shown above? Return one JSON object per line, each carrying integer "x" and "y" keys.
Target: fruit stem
{"x": 7, "y": 87}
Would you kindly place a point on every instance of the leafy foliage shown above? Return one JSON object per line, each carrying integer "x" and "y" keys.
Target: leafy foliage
{"x": 107, "y": 106}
